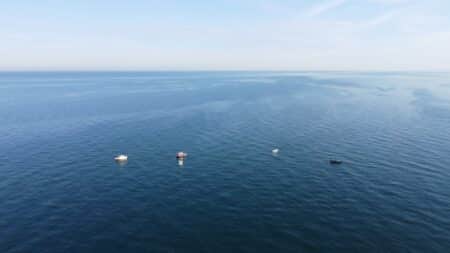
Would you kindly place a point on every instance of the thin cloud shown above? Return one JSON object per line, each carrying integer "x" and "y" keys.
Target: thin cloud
{"x": 390, "y": 1}
{"x": 384, "y": 18}
{"x": 324, "y": 7}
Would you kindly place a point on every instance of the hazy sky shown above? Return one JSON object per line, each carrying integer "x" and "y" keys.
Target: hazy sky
{"x": 211, "y": 34}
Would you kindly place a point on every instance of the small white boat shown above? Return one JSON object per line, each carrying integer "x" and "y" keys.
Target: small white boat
{"x": 181, "y": 155}
{"x": 121, "y": 158}
{"x": 275, "y": 151}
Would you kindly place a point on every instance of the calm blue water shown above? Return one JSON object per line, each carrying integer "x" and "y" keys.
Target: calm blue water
{"x": 61, "y": 191}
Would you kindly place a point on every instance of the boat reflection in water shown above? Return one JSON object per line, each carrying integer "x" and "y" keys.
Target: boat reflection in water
{"x": 122, "y": 163}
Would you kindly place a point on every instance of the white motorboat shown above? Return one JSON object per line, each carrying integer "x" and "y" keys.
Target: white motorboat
{"x": 181, "y": 155}
{"x": 121, "y": 158}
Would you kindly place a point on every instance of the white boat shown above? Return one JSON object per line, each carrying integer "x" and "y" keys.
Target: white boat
{"x": 181, "y": 155}
{"x": 275, "y": 151}
{"x": 121, "y": 158}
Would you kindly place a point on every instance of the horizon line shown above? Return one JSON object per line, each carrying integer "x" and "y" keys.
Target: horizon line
{"x": 218, "y": 70}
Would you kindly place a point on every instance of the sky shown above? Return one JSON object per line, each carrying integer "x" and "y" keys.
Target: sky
{"x": 360, "y": 35}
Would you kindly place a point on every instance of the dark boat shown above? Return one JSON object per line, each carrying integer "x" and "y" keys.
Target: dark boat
{"x": 332, "y": 161}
